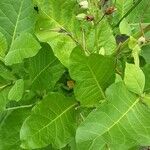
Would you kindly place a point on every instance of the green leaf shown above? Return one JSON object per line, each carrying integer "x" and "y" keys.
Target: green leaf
{"x": 134, "y": 79}
{"x": 146, "y": 70}
{"x": 6, "y": 73}
{"x": 4, "y": 90}
{"x": 123, "y": 6}
{"x": 121, "y": 120}
{"x": 17, "y": 90}
{"x": 52, "y": 122}
{"x": 146, "y": 53}
{"x": 3, "y": 45}
{"x": 16, "y": 16}
{"x": 45, "y": 69}
{"x": 58, "y": 26}
{"x": 125, "y": 27}
{"x": 10, "y": 124}
{"x": 24, "y": 46}
{"x": 102, "y": 37}
{"x": 90, "y": 75}
{"x": 134, "y": 46}
{"x": 146, "y": 99}
{"x": 140, "y": 13}
{"x": 61, "y": 43}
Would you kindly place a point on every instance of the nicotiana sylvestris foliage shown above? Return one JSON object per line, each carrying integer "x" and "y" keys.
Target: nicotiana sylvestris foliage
{"x": 129, "y": 121}
{"x": 53, "y": 117}
{"x": 89, "y": 73}
{"x": 74, "y": 74}
{"x": 11, "y": 122}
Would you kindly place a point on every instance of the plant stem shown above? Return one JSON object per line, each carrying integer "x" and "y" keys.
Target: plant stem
{"x": 122, "y": 46}
{"x": 5, "y": 86}
{"x": 19, "y": 107}
{"x": 130, "y": 10}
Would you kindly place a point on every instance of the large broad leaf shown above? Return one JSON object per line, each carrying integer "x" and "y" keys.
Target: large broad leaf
{"x": 140, "y": 13}
{"x": 134, "y": 79}
{"x": 17, "y": 90}
{"x": 93, "y": 74}
{"x": 52, "y": 122}
{"x": 123, "y": 6}
{"x": 58, "y": 26}
{"x": 24, "y": 46}
{"x": 45, "y": 69}
{"x": 10, "y": 124}
{"x": 3, "y": 45}
{"x": 16, "y": 16}
{"x": 123, "y": 120}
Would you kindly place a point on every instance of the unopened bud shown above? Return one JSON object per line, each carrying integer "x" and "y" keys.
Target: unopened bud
{"x": 89, "y": 18}
{"x": 110, "y": 10}
{"x": 141, "y": 40}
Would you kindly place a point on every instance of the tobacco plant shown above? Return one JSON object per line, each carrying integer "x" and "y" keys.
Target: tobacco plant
{"x": 74, "y": 74}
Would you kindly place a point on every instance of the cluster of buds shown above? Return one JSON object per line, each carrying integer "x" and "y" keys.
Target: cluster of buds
{"x": 110, "y": 10}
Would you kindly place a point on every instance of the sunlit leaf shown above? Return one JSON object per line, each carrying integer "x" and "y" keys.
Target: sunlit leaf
{"x": 52, "y": 122}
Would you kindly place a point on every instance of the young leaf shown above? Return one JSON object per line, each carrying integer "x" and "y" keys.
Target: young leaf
{"x": 52, "y": 122}
{"x": 44, "y": 69}
{"x": 125, "y": 27}
{"x": 17, "y": 90}
{"x": 134, "y": 79}
{"x": 121, "y": 120}
{"x": 24, "y": 46}
{"x": 92, "y": 74}
{"x": 10, "y": 124}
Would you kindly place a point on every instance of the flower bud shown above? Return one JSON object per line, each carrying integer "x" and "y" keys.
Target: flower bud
{"x": 110, "y": 10}
{"x": 141, "y": 40}
{"x": 89, "y": 18}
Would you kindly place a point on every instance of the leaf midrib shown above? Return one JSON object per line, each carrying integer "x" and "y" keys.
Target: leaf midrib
{"x": 17, "y": 21}
{"x": 45, "y": 68}
{"x": 59, "y": 116}
{"x": 97, "y": 83}
{"x": 123, "y": 115}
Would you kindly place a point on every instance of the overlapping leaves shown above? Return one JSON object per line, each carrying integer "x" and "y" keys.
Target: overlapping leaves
{"x": 32, "y": 73}
{"x": 128, "y": 122}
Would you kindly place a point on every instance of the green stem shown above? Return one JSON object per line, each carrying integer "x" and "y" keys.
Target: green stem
{"x": 125, "y": 44}
{"x": 5, "y": 86}
{"x": 130, "y": 10}
{"x": 19, "y": 107}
